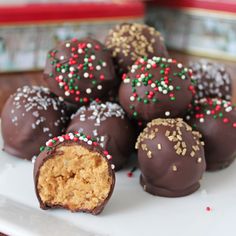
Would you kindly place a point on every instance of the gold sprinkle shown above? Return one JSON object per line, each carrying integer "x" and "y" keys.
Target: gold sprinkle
{"x": 179, "y": 150}
{"x": 177, "y": 145}
{"x": 159, "y": 146}
{"x": 192, "y": 154}
{"x": 184, "y": 145}
{"x": 167, "y": 133}
{"x": 184, "y": 151}
{"x": 149, "y": 154}
{"x": 144, "y": 147}
{"x": 199, "y": 160}
{"x": 179, "y": 137}
{"x": 174, "y": 168}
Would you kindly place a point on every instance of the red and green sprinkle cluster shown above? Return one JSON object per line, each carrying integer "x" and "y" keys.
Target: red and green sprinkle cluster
{"x": 81, "y": 64}
{"x": 214, "y": 107}
{"x": 73, "y": 137}
{"x": 156, "y": 75}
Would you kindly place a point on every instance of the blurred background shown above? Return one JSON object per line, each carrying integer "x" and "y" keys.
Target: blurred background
{"x": 192, "y": 29}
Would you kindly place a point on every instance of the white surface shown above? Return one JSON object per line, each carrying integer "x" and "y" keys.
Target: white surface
{"x": 130, "y": 211}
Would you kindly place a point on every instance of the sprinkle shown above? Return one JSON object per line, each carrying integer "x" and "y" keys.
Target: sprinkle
{"x": 167, "y": 113}
{"x": 199, "y": 160}
{"x": 130, "y": 173}
{"x": 99, "y": 87}
{"x": 149, "y": 154}
{"x": 88, "y": 90}
{"x": 159, "y": 146}
{"x": 174, "y": 168}
{"x": 208, "y": 209}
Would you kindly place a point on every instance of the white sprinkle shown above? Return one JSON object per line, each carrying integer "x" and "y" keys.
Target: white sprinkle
{"x": 86, "y": 75}
{"x": 90, "y": 142}
{"x": 153, "y": 85}
{"x": 88, "y": 90}
{"x": 98, "y": 67}
{"x": 104, "y": 64}
{"x": 99, "y": 87}
{"x": 201, "y": 120}
{"x": 62, "y": 57}
{"x": 132, "y": 98}
{"x": 89, "y": 45}
{"x": 67, "y": 93}
{"x": 179, "y": 65}
{"x": 93, "y": 57}
{"x": 167, "y": 113}
{"x": 80, "y": 50}
{"x": 112, "y": 166}
{"x": 67, "y": 45}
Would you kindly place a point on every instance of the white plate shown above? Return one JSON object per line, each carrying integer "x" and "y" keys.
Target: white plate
{"x": 130, "y": 211}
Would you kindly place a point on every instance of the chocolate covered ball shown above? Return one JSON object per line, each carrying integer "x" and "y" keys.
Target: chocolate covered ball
{"x": 156, "y": 88}
{"x": 130, "y": 41}
{"x": 106, "y": 122}
{"x": 75, "y": 173}
{"x": 216, "y": 120}
{"x": 30, "y": 117}
{"x": 171, "y": 158}
{"x": 80, "y": 70}
{"x": 211, "y": 80}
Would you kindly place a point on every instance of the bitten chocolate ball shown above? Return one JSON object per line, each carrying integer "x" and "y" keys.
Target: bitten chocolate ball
{"x": 29, "y": 118}
{"x": 156, "y": 88}
{"x": 211, "y": 80}
{"x": 75, "y": 173}
{"x": 171, "y": 158}
{"x": 130, "y": 41}
{"x": 108, "y": 123}
{"x": 216, "y": 120}
{"x": 80, "y": 70}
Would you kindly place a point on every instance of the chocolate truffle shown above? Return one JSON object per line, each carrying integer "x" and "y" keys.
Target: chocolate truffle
{"x": 130, "y": 41}
{"x": 156, "y": 88}
{"x": 216, "y": 120}
{"x": 80, "y": 70}
{"x": 106, "y": 122}
{"x": 29, "y": 118}
{"x": 171, "y": 158}
{"x": 74, "y": 172}
{"x": 211, "y": 80}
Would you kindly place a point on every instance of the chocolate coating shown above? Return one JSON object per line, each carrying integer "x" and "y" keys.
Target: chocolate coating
{"x": 156, "y": 88}
{"x": 80, "y": 70}
{"x": 30, "y": 117}
{"x": 109, "y": 124}
{"x": 216, "y": 120}
{"x": 171, "y": 158}
{"x": 50, "y": 150}
{"x": 130, "y": 41}
{"x": 211, "y": 80}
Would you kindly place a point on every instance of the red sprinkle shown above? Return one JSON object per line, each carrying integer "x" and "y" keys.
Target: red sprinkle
{"x": 208, "y": 208}
{"x": 129, "y": 174}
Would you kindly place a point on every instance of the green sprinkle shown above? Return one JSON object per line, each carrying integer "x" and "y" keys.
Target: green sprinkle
{"x": 42, "y": 148}
{"x": 177, "y": 87}
{"x": 154, "y": 100}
